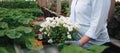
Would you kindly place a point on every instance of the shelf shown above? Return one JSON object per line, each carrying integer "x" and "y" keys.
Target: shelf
{"x": 115, "y": 42}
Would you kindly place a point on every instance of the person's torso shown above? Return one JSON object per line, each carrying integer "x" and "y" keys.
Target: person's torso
{"x": 81, "y": 13}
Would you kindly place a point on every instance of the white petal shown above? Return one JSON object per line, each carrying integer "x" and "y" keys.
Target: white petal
{"x": 69, "y": 36}
{"x": 40, "y": 36}
{"x": 50, "y": 41}
{"x": 45, "y": 32}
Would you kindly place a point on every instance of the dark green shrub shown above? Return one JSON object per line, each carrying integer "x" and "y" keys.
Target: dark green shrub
{"x": 18, "y": 4}
{"x": 15, "y": 29}
{"x": 114, "y": 24}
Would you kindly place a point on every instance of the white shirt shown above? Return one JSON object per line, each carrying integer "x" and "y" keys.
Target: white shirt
{"x": 92, "y": 16}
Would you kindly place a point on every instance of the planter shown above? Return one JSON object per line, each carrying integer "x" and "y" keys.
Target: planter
{"x": 115, "y": 42}
{"x": 115, "y": 45}
{"x": 49, "y": 13}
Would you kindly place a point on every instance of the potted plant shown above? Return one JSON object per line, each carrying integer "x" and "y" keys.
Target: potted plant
{"x": 57, "y": 30}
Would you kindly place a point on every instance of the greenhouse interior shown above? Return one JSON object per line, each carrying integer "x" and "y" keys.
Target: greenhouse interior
{"x": 59, "y": 26}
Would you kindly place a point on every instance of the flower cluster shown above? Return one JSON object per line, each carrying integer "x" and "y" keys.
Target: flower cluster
{"x": 58, "y": 29}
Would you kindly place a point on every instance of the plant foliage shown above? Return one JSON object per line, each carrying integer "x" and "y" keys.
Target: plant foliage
{"x": 18, "y": 4}
{"x": 15, "y": 29}
{"x": 76, "y": 49}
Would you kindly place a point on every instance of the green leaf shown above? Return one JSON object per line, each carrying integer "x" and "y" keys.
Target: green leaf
{"x": 30, "y": 44}
{"x": 25, "y": 20}
{"x": 27, "y": 30}
{"x": 20, "y": 28}
{"x": 97, "y": 49}
{"x": 3, "y": 25}
{"x": 13, "y": 34}
{"x": 24, "y": 29}
{"x": 1, "y": 19}
{"x": 37, "y": 27}
{"x": 2, "y": 33}
{"x": 73, "y": 49}
{"x": 3, "y": 50}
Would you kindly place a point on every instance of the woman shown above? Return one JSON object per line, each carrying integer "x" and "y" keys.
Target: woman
{"x": 92, "y": 17}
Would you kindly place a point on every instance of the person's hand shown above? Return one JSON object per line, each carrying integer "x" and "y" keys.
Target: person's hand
{"x": 75, "y": 43}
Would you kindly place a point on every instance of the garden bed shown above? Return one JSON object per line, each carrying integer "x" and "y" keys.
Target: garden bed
{"x": 16, "y": 26}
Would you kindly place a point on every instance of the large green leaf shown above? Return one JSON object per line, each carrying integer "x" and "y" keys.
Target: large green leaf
{"x": 27, "y": 30}
{"x": 73, "y": 49}
{"x": 1, "y": 19}
{"x": 97, "y": 49}
{"x": 7, "y": 48}
{"x": 24, "y": 29}
{"x": 20, "y": 28}
{"x": 3, "y": 50}
{"x": 25, "y": 20}
{"x": 76, "y": 49}
{"x": 3, "y": 25}
{"x": 2, "y": 33}
{"x": 13, "y": 34}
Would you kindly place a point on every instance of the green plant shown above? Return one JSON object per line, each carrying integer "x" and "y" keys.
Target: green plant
{"x": 65, "y": 8}
{"x": 18, "y": 4}
{"x": 33, "y": 12}
{"x": 76, "y": 49}
{"x": 57, "y": 30}
{"x": 15, "y": 29}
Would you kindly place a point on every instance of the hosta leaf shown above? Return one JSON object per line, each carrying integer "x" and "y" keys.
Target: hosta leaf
{"x": 13, "y": 34}
{"x": 20, "y": 28}
{"x": 24, "y": 29}
{"x": 25, "y": 20}
{"x": 74, "y": 49}
{"x": 3, "y": 25}
{"x": 29, "y": 43}
{"x": 1, "y": 19}
{"x": 2, "y": 33}
{"x": 27, "y": 30}
{"x": 3, "y": 50}
{"x": 97, "y": 49}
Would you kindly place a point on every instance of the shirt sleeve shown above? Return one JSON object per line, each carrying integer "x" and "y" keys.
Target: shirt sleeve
{"x": 100, "y": 9}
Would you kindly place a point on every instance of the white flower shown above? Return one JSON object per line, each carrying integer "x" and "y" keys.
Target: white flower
{"x": 69, "y": 36}
{"x": 65, "y": 25}
{"x": 45, "y": 32}
{"x": 26, "y": 0}
{"x": 48, "y": 34}
{"x": 70, "y": 29}
{"x": 76, "y": 25}
{"x": 57, "y": 24}
{"x": 44, "y": 24}
{"x": 68, "y": 33}
{"x": 41, "y": 29}
{"x": 50, "y": 41}
{"x": 40, "y": 36}
{"x": 53, "y": 24}
{"x": 56, "y": 18}
{"x": 47, "y": 22}
{"x": 49, "y": 19}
